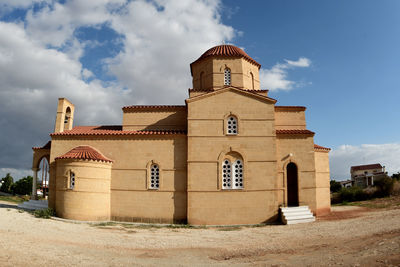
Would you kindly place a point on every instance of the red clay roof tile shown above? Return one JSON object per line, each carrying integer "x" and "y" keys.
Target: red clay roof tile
{"x": 46, "y": 146}
{"x": 113, "y": 130}
{"x": 317, "y": 147}
{"x": 84, "y": 152}
{"x": 211, "y": 90}
{"x": 295, "y": 131}
{"x": 162, "y": 107}
{"x": 366, "y": 167}
{"x": 290, "y": 108}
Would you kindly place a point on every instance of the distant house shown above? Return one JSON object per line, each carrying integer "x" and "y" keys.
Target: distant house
{"x": 346, "y": 184}
{"x": 365, "y": 175}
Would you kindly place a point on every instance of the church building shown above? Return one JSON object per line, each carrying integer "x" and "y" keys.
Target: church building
{"x": 229, "y": 156}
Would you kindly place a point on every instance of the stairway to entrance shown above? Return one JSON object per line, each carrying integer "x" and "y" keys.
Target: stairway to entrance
{"x": 293, "y": 215}
{"x": 34, "y": 205}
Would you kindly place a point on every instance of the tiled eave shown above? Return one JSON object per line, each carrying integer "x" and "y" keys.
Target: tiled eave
{"x": 113, "y": 130}
{"x": 294, "y": 132}
{"x": 45, "y": 147}
{"x": 321, "y": 148}
{"x": 153, "y": 108}
{"x": 290, "y": 108}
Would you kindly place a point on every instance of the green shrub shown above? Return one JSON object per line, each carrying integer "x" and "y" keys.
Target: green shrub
{"x": 384, "y": 187}
{"x": 353, "y": 194}
{"x": 335, "y": 186}
{"x": 45, "y": 214}
{"x": 396, "y": 188}
{"x": 335, "y": 198}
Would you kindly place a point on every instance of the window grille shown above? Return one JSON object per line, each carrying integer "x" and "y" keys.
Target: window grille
{"x": 226, "y": 174}
{"x": 71, "y": 180}
{"x": 232, "y": 174}
{"x": 237, "y": 170}
{"x": 227, "y": 77}
{"x": 232, "y": 127}
{"x": 154, "y": 177}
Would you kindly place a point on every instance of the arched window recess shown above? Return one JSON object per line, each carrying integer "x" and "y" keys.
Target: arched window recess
{"x": 232, "y": 168}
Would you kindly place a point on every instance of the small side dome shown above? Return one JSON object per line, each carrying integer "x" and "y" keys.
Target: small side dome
{"x": 228, "y": 51}
{"x": 84, "y": 152}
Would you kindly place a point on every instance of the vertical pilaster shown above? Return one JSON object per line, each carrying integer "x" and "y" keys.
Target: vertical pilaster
{"x": 34, "y": 183}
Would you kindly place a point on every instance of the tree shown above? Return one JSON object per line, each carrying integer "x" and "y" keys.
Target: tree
{"x": 335, "y": 186}
{"x": 396, "y": 176}
{"x": 7, "y": 183}
{"x": 23, "y": 186}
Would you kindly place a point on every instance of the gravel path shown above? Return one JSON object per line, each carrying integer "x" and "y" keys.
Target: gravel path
{"x": 367, "y": 238}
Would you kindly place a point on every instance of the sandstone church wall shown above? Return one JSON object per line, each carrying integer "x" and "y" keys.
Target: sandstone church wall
{"x": 286, "y": 118}
{"x": 208, "y": 145}
{"x": 131, "y": 199}
{"x": 323, "y": 204}
{"x": 211, "y": 71}
{"x": 170, "y": 118}
{"x": 89, "y": 200}
{"x": 298, "y": 149}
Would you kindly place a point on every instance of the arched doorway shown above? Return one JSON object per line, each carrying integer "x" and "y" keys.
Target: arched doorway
{"x": 43, "y": 178}
{"x": 292, "y": 185}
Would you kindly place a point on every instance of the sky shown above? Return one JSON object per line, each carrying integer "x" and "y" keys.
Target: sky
{"x": 340, "y": 59}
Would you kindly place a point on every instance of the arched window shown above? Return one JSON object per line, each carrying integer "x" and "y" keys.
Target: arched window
{"x": 227, "y": 77}
{"x": 237, "y": 170}
{"x": 71, "y": 180}
{"x": 231, "y": 125}
{"x": 226, "y": 174}
{"x": 201, "y": 80}
{"x": 252, "y": 80}
{"x": 154, "y": 177}
{"x": 232, "y": 174}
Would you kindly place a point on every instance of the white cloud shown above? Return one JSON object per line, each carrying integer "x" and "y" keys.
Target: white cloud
{"x": 276, "y": 78}
{"x": 160, "y": 43}
{"x": 301, "y": 62}
{"x": 345, "y": 156}
{"x": 32, "y": 77}
{"x": 40, "y": 61}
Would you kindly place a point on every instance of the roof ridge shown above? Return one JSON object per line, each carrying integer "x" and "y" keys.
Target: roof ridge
{"x": 153, "y": 106}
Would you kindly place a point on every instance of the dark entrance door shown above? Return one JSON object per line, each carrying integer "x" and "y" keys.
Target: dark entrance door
{"x": 292, "y": 185}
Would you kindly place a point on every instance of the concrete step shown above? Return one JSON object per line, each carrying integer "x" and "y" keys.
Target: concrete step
{"x": 295, "y": 209}
{"x": 293, "y": 215}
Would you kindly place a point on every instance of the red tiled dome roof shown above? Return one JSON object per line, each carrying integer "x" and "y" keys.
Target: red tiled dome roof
{"x": 84, "y": 152}
{"x": 227, "y": 50}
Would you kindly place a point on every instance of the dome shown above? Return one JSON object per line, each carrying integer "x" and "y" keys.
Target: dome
{"x": 227, "y": 51}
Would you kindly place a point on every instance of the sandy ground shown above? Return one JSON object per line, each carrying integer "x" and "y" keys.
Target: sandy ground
{"x": 350, "y": 236}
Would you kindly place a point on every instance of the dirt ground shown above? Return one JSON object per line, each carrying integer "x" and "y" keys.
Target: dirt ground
{"x": 349, "y": 236}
